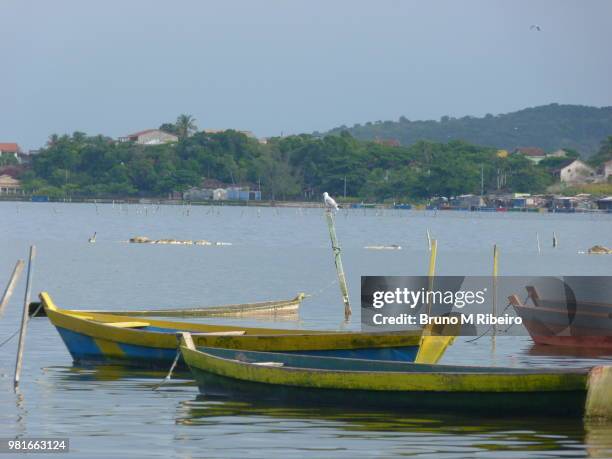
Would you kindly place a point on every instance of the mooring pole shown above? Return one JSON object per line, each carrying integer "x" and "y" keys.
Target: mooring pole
{"x": 10, "y": 287}
{"x": 538, "y": 241}
{"x": 25, "y": 316}
{"x": 555, "y": 242}
{"x": 329, "y": 216}
{"x": 495, "y": 271}
{"x": 428, "y": 240}
{"x": 431, "y": 271}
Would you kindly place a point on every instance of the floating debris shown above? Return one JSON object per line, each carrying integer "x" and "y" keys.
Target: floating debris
{"x": 383, "y": 247}
{"x": 146, "y": 240}
{"x": 599, "y": 250}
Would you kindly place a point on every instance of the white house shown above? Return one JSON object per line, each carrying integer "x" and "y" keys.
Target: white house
{"x": 576, "y": 172}
{"x": 9, "y": 149}
{"x": 150, "y": 137}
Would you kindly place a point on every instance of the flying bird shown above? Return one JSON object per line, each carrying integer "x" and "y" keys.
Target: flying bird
{"x": 535, "y": 27}
{"x": 329, "y": 201}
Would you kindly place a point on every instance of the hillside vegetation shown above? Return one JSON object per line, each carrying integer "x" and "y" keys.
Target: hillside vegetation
{"x": 549, "y": 127}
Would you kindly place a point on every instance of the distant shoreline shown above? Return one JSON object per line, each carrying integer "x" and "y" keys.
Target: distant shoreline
{"x": 291, "y": 204}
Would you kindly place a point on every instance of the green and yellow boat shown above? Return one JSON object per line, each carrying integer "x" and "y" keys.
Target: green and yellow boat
{"x": 357, "y": 382}
{"x": 93, "y": 336}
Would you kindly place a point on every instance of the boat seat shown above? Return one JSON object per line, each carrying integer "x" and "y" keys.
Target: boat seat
{"x": 269, "y": 364}
{"x": 133, "y": 324}
{"x": 221, "y": 333}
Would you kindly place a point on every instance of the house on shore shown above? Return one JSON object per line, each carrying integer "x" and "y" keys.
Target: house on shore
{"x": 150, "y": 137}
{"x": 534, "y": 154}
{"x": 605, "y": 203}
{"x": 575, "y": 172}
{"x": 10, "y": 149}
{"x": 10, "y": 185}
{"x": 215, "y": 190}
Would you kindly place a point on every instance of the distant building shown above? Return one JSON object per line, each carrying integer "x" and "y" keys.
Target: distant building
{"x": 534, "y": 154}
{"x": 467, "y": 201}
{"x": 605, "y": 203}
{"x": 220, "y": 194}
{"x": 150, "y": 137}
{"x": 576, "y": 172}
{"x": 606, "y": 169}
{"x": 9, "y": 149}
{"x": 560, "y": 153}
{"x": 212, "y": 189}
{"x": 9, "y": 185}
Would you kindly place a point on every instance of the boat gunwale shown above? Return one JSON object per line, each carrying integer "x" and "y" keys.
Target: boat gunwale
{"x": 445, "y": 369}
{"x": 435, "y": 382}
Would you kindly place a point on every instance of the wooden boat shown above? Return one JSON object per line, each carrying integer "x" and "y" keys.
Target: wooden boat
{"x": 355, "y": 382}
{"x": 106, "y": 337}
{"x": 263, "y": 308}
{"x": 563, "y": 323}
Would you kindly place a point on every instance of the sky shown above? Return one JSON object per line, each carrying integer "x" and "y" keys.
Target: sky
{"x": 290, "y": 66}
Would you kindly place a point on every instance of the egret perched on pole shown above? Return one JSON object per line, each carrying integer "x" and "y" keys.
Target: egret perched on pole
{"x": 330, "y": 203}
{"x": 330, "y": 206}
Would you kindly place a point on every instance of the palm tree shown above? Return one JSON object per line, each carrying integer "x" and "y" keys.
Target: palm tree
{"x": 185, "y": 125}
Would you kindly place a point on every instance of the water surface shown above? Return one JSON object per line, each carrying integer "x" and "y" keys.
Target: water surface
{"x": 276, "y": 253}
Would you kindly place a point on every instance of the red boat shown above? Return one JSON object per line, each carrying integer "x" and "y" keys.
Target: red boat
{"x": 565, "y": 323}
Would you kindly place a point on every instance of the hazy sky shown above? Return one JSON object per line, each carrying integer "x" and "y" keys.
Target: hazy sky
{"x": 115, "y": 67}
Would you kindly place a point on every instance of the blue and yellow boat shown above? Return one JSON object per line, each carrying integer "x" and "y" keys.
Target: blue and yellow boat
{"x": 379, "y": 384}
{"x": 105, "y": 337}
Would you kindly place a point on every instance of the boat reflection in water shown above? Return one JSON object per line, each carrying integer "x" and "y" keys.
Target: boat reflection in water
{"x": 406, "y": 434}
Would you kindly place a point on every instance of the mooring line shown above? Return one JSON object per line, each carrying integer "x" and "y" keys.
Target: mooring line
{"x": 169, "y": 375}
{"x": 17, "y": 331}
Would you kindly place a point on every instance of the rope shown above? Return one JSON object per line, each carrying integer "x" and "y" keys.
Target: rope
{"x": 169, "y": 375}
{"x": 17, "y": 331}
{"x": 318, "y": 292}
{"x": 503, "y": 331}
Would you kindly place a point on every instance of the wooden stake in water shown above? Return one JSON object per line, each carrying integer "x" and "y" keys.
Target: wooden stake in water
{"x": 554, "y": 240}
{"x": 428, "y": 240}
{"x": 538, "y": 241}
{"x": 338, "y": 261}
{"x": 495, "y": 271}
{"x": 431, "y": 271}
{"x": 10, "y": 287}
{"x": 25, "y": 316}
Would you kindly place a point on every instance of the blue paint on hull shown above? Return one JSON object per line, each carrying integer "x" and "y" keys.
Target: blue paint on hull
{"x": 396, "y": 354}
{"x": 149, "y": 355}
{"x": 83, "y": 348}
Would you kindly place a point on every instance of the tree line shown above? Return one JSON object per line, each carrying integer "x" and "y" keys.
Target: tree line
{"x": 284, "y": 168}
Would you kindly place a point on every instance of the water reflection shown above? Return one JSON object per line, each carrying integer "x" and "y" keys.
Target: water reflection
{"x": 420, "y": 434}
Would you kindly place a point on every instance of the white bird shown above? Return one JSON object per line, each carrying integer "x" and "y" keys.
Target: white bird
{"x": 535, "y": 27}
{"x": 329, "y": 201}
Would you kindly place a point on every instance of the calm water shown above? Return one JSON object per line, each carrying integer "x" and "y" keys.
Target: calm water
{"x": 275, "y": 254}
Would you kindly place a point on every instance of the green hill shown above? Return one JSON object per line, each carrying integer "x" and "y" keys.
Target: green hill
{"x": 553, "y": 126}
